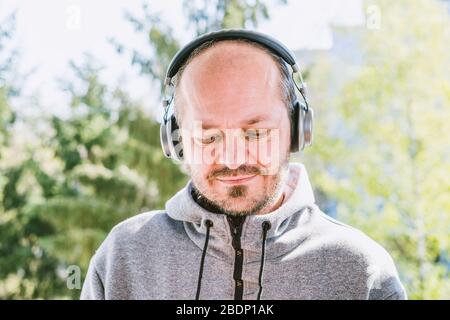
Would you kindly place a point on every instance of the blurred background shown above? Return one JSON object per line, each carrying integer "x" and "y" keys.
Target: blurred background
{"x": 80, "y": 90}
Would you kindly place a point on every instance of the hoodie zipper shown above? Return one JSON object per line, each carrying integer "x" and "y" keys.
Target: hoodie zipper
{"x": 236, "y": 223}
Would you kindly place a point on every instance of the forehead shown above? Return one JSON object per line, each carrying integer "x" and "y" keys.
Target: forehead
{"x": 245, "y": 120}
{"x": 231, "y": 84}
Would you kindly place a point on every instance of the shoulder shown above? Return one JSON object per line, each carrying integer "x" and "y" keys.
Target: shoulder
{"x": 349, "y": 244}
{"x": 357, "y": 256}
{"x": 144, "y": 224}
{"x": 144, "y": 230}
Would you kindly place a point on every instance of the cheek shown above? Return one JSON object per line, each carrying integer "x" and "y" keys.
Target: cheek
{"x": 273, "y": 152}
{"x": 200, "y": 173}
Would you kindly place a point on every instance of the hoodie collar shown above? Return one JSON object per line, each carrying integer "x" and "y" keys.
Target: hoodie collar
{"x": 298, "y": 196}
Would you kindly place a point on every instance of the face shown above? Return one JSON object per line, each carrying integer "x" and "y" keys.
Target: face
{"x": 235, "y": 128}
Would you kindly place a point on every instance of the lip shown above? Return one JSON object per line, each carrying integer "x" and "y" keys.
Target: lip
{"x": 236, "y": 180}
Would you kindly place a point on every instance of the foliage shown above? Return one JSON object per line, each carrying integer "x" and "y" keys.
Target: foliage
{"x": 386, "y": 148}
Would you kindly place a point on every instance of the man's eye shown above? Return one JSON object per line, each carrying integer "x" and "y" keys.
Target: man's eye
{"x": 256, "y": 134}
{"x": 208, "y": 139}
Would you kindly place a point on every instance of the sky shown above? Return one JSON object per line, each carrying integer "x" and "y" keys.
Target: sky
{"x": 50, "y": 33}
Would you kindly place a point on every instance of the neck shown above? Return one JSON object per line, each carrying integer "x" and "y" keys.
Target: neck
{"x": 204, "y": 203}
{"x": 274, "y": 207}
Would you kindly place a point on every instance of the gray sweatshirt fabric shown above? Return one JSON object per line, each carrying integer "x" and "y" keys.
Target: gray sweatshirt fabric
{"x": 308, "y": 255}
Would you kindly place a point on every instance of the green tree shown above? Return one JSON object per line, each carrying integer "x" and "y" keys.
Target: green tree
{"x": 26, "y": 270}
{"x": 66, "y": 181}
{"x": 202, "y": 16}
{"x": 106, "y": 175}
{"x": 382, "y": 148}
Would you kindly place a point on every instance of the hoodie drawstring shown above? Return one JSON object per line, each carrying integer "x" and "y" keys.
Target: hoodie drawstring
{"x": 265, "y": 226}
{"x": 208, "y": 224}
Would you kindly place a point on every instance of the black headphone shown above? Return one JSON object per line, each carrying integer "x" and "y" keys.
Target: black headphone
{"x": 302, "y": 115}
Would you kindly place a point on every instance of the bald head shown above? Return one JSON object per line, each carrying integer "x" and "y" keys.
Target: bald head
{"x": 235, "y": 68}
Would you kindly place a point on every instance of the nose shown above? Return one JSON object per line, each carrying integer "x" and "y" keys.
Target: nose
{"x": 233, "y": 151}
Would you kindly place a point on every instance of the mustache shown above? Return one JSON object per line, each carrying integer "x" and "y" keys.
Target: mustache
{"x": 242, "y": 170}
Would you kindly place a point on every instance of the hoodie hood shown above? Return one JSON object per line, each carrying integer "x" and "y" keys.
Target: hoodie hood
{"x": 299, "y": 198}
{"x": 186, "y": 251}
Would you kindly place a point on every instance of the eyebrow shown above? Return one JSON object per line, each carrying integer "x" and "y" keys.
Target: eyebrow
{"x": 246, "y": 122}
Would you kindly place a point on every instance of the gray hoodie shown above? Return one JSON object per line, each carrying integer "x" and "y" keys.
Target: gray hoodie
{"x": 304, "y": 255}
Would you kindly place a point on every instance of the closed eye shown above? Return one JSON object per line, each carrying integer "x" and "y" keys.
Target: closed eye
{"x": 208, "y": 139}
{"x": 256, "y": 134}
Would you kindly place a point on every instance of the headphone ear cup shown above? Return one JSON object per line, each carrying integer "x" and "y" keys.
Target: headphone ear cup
{"x": 308, "y": 127}
{"x": 301, "y": 126}
{"x": 164, "y": 139}
{"x": 171, "y": 139}
{"x": 295, "y": 120}
{"x": 176, "y": 139}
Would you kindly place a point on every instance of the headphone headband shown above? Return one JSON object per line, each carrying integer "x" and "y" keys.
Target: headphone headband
{"x": 230, "y": 34}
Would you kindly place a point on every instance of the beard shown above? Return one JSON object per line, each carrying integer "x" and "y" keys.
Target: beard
{"x": 251, "y": 203}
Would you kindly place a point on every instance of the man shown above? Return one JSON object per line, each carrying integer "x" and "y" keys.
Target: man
{"x": 246, "y": 225}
